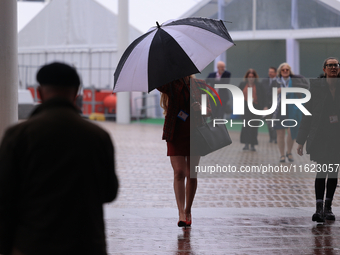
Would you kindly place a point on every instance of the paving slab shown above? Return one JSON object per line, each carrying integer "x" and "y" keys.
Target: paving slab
{"x": 241, "y": 213}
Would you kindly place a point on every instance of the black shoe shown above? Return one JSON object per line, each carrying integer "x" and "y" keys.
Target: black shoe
{"x": 245, "y": 148}
{"x": 282, "y": 159}
{"x": 327, "y": 211}
{"x": 290, "y": 157}
{"x": 252, "y": 148}
{"x": 181, "y": 223}
{"x": 275, "y": 141}
{"x": 318, "y": 215}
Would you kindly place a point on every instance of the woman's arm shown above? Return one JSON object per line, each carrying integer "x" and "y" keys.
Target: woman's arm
{"x": 305, "y": 123}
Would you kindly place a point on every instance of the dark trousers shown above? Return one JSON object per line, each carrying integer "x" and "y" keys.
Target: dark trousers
{"x": 271, "y": 130}
{"x": 332, "y": 179}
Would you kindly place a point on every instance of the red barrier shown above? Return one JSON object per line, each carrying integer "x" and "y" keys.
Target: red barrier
{"x": 35, "y": 94}
{"x": 93, "y": 100}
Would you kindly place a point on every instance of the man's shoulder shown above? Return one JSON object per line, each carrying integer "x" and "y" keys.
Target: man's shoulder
{"x": 226, "y": 74}
{"x": 265, "y": 81}
{"x": 297, "y": 76}
{"x": 212, "y": 75}
{"x": 92, "y": 126}
{"x": 34, "y": 125}
{"x": 317, "y": 83}
{"x": 87, "y": 126}
{"x": 15, "y": 131}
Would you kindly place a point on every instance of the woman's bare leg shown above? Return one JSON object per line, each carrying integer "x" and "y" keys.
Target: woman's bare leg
{"x": 281, "y": 141}
{"x": 179, "y": 165}
{"x": 191, "y": 185}
{"x": 290, "y": 142}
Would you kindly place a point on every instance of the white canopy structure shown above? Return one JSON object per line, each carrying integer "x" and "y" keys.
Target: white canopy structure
{"x": 27, "y": 11}
{"x": 80, "y": 32}
{"x": 84, "y": 34}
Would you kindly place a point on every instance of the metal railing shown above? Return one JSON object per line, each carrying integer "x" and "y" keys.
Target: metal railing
{"x": 141, "y": 111}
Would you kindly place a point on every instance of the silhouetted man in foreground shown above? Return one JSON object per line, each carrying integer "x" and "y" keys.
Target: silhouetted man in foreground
{"x": 56, "y": 171}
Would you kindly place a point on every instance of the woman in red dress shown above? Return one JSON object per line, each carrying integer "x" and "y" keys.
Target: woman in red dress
{"x": 175, "y": 100}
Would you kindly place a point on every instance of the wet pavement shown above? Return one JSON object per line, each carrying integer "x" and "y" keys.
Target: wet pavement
{"x": 252, "y": 213}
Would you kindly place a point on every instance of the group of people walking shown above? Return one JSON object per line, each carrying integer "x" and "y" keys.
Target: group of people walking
{"x": 321, "y": 130}
{"x": 281, "y": 77}
{"x": 283, "y": 135}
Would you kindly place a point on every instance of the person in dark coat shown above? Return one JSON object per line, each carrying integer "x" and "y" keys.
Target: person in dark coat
{"x": 56, "y": 171}
{"x": 286, "y": 78}
{"x": 267, "y": 86}
{"x": 248, "y": 133}
{"x": 321, "y": 130}
{"x": 221, "y": 76}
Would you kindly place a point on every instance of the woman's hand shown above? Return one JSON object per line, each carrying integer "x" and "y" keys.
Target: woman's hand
{"x": 300, "y": 149}
{"x": 196, "y": 106}
{"x": 279, "y": 91}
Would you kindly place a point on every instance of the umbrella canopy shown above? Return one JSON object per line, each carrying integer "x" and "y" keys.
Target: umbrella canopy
{"x": 175, "y": 49}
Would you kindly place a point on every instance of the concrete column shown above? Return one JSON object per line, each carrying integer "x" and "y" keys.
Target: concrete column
{"x": 220, "y": 16}
{"x": 293, "y": 54}
{"x": 254, "y": 15}
{"x": 8, "y": 65}
{"x": 123, "y": 98}
{"x": 294, "y": 15}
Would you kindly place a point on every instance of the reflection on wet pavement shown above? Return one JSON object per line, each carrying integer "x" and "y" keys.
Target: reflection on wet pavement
{"x": 245, "y": 215}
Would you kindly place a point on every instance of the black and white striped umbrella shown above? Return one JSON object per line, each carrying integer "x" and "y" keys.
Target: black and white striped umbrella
{"x": 170, "y": 51}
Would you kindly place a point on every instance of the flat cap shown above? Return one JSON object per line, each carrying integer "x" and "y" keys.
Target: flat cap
{"x": 58, "y": 74}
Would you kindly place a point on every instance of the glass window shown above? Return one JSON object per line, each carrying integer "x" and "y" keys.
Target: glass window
{"x": 240, "y": 13}
{"x": 273, "y": 14}
{"x": 313, "y": 14}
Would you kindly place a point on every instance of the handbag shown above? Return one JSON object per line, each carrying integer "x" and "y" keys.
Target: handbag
{"x": 206, "y": 138}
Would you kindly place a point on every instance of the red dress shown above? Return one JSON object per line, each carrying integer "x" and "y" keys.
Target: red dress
{"x": 180, "y": 144}
{"x": 176, "y": 131}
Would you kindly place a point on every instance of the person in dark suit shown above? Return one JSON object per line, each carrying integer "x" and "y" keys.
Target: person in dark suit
{"x": 221, "y": 72}
{"x": 56, "y": 171}
{"x": 222, "y": 75}
{"x": 266, "y": 83}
